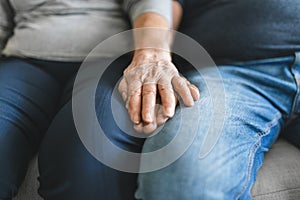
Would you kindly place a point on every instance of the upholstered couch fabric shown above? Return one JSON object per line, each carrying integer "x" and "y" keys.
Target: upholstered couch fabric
{"x": 278, "y": 179}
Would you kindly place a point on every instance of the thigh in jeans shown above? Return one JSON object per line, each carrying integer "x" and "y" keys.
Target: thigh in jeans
{"x": 68, "y": 170}
{"x": 28, "y": 98}
{"x": 251, "y": 125}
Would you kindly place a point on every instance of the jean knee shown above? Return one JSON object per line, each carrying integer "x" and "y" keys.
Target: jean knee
{"x": 69, "y": 171}
{"x": 193, "y": 178}
{"x": 222, "y": 174}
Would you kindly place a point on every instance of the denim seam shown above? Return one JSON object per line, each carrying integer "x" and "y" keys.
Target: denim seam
{"x": 270, "y": 125}
{"x": 254, "y": 148}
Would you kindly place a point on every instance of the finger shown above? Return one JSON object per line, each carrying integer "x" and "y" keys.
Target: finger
{"x": 138, "y": 127}
{"x": 149, "y": 128}
{"x": 160, "y": 116}
{"x": 168, "y": 98}
{"x": 181, "y": 87}
{"x": 134, "y": 101}
{"x": 146, "y": 128}
{"x": 195, "y": 92}
{"x": 149, "y": 101}
{"x": 123, "y": 89}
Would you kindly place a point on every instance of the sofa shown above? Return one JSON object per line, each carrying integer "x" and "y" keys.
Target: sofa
{"x": 278, "y": 179}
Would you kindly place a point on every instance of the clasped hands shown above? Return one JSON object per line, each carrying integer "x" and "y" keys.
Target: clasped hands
{"x": 149, "y": 87}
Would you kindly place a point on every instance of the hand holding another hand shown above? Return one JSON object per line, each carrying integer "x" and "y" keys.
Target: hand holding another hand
{"x": 151, "y": 77}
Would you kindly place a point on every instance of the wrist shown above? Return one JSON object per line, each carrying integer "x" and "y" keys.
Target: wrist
{"x": 154, "y": 38}
{"x": 151, "y": 54}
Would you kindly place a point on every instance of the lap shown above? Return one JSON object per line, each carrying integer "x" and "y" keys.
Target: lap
{"x": 251, "y": 124}
{"x": 68, "y": 170}
{"x": 28, "y": 98}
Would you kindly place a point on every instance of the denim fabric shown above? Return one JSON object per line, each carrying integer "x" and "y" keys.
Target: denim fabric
{"x": 68, "y": 170}
{"x": 29, "y": 97}
{"x": 253, "y": 30}
{"x": 262, "y": 96}
{"x": 36, "y": 98}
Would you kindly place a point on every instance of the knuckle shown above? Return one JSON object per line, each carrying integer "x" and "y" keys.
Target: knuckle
{"x": 135, "y": 93}
{"x": 121, "y": 88}
{"x": 181, "y": 83}
{"x": 166, "y": 88}
{"x": 135, "y": 85}
{"x": 149, "y": 91}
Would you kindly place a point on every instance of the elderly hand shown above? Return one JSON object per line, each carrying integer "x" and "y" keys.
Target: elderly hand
{"x": 152, "y": 76}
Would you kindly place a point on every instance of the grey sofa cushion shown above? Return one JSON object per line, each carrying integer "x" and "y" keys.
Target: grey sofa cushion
{"x": 28, "y": 190}
{"x": 278, "y": 179}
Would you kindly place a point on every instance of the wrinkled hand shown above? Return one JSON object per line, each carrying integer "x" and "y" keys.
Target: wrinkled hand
{"x": 150, "y": 77}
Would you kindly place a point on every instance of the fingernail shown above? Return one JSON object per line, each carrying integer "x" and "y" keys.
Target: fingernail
{"x": 136, "y": 120}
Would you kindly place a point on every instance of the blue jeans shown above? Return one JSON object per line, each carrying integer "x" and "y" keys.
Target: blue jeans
{"x": 29, "y": 97}
{"x": 36, "y": 115}
{"x": 67, "y": 169}
{"x": 262, "y": 98}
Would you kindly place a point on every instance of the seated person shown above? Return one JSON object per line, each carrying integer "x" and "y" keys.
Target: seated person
{"x": 43, "y": 44}
{"x": 255, "y": 45}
